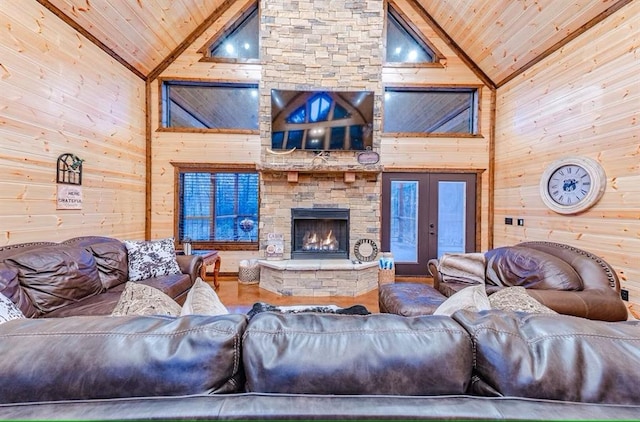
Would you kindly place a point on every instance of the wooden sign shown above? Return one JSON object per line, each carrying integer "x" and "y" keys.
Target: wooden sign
{"x": 69, "y": 197}
{"x": 368, "y": 157}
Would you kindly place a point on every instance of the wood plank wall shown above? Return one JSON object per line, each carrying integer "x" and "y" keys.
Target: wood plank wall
{"x": 62, "y": 94}
{"x": 447, "y": 154}
{"x": 584, "y": 100}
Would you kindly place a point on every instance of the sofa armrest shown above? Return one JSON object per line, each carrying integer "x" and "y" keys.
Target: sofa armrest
{"x": 190, "y": 264}
{"x": 432, "y": 265}
{"x": 590, "y": 304}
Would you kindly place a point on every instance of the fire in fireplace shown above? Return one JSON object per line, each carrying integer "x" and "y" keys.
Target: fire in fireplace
{"x": 319, "y": 233}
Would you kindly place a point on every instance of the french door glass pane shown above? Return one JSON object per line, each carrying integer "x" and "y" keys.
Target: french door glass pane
{"x": 451, "y": 217}
{"x": 404, "y": 221}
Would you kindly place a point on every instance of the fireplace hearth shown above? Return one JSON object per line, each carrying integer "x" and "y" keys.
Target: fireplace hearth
{"x": 319, "y": 233}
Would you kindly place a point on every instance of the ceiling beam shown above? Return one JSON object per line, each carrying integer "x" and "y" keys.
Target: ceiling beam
{"x": 190, "y": 39}
{"x": 573, "y": 35}
{"x": 59, "y": 13}
{"x": 453, "y": 45}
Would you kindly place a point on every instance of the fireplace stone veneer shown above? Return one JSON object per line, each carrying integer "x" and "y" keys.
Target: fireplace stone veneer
{"x": 318, "y": 277}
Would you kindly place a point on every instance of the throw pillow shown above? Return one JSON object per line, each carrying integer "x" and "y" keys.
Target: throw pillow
{"x": 473, "y": 298}
{"x": 151, "y": 259}
{"x": 8, "y": 310}
{"x": 139, "y": 299}
{"x": 516, "y": 299}
{"x": 203, "y": 300}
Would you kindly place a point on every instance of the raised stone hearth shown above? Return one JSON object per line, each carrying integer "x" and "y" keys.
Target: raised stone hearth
{"x": 323, "y": 277}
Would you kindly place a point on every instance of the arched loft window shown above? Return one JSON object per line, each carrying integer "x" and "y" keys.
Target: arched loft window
{"x": 406, "y": 45}
{"x": 240, "y": 41}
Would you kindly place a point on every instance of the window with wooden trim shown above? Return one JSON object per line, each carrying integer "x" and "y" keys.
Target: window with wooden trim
{"x": 240, "y": 42}
{"x": 217, "y": 208}
{"x": 209, "y": 105}
{"x": 431, "y": 110}
{"x": 404, "y": 44}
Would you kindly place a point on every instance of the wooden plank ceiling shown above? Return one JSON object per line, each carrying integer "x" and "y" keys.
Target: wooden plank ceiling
{"x": 502, "y": 37}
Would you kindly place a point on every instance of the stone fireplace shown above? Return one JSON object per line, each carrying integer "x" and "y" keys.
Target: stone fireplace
{"x": 319, "y": 233}
{"x": 319, "y": 45}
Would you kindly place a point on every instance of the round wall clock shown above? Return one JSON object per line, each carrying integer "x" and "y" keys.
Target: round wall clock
{"x": 572, "y": 185}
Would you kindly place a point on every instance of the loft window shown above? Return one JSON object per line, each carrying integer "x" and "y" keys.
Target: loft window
{"x": 240, "y": 41}
{"x": 217, "y": 208}
{"x": 404, "y": 44}
{"x": 222, "y": 106}
{"x": 431, "y": 110}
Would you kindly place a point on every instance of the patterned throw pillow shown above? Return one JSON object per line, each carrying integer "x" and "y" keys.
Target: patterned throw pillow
{"x": 151, "y": 259}
{"x": 203, "y": 300}
{"x": 8, "y": 310}
{"x": 516, "y": 299}
{"x": 139, "y": 299}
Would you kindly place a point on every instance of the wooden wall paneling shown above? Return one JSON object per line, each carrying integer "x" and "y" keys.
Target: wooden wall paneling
{"x": 63, "y": 94}
{"x": 582, "y": 100}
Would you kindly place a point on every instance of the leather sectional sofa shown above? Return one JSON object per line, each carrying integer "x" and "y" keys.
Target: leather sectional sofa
{"x": 490, "y": 365}
{"x": 81, "y": 276}
{"x": 568, "y": 280}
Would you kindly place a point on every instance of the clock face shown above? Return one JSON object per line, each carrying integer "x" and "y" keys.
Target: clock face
{"x": 572, "y": 185}
{"x": 569, "y": 184}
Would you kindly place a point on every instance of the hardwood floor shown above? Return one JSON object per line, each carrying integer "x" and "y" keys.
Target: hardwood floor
{"x": 239, "y": 298}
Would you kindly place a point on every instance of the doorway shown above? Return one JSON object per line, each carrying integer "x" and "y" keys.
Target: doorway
{"x": 425, "y": 215}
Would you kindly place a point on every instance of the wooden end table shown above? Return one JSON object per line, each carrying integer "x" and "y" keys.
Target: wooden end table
{"x": 210, "y": 258}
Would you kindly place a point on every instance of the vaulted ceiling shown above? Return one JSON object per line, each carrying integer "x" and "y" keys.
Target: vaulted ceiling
{"x": 501, "y": 38}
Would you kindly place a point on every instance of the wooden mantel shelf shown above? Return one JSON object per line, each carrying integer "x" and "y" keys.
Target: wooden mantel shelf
{"x": 292, "y": 170}
{"x": 328, "y": 168}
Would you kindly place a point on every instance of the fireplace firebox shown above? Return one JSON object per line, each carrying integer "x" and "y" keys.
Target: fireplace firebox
{"x": 319, "y": 233}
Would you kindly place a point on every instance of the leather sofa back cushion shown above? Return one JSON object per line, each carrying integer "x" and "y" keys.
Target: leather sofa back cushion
{"x": 10, "y": 287}
{"x": 54, "y": 276}
{"x": 530, "y": 268}
{"x": 556, "y": 357}
{"x": 314, "y": 353}
{"x": 110, "y": 357}
{"x": 111, "y": 259}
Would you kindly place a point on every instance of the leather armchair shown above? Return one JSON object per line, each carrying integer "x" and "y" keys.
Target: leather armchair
{"x": 597, "y": 295}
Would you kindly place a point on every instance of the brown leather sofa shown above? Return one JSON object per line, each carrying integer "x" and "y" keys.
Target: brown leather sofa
{"x": 491, "y": 365}
{"x": 566, "y": 279}
{"x": 81, "y": 276}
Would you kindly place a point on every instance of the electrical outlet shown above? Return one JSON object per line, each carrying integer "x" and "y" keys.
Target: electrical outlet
{"x": 508, "y": 220}
{"x": 624, "y": 294}
{"x": 521, "y": 221}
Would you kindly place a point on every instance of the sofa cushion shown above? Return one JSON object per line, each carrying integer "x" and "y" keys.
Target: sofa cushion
{"x": 111, "y": 259}
{"x": 97, "y": 357}
{"x": 516, "y": 299}
{"x": 8, "y": 310}
{"x": 473, "y": 298}
{"x": 530, "y": 268}
{"x": 317, "y": 353}
{"x": 556, "y": 357}
{"x": 10, "y": 287}
{"x": 203, "y": 300}
{"x": 138, "y": 299}
{"x": 54, "y": 276}
{"x": 151, "y": 258}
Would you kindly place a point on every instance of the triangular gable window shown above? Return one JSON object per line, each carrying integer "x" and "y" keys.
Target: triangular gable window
{"x": 240, "y": 41}
{"x": 404, "y": 45}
